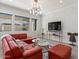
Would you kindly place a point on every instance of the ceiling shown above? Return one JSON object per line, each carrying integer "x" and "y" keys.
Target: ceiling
{"x": 46, "y": 5}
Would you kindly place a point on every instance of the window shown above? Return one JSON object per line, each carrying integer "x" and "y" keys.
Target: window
{"x": 34, "y": 24}
{"x": 21, "y": 23}
{"x": 5, "y": 22}
{"x": 10, "y": 22}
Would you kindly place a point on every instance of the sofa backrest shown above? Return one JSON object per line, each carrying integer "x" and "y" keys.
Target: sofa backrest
{"x": 19, "y": 36}
{"x": 14, "y": 47}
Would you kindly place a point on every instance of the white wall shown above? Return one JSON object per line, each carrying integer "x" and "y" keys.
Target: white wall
{"x": 21, "y": 12}
{"x": 69, "y": 18}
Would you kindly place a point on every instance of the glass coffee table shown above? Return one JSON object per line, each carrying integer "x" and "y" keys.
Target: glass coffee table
{"x": 43, "y": 43}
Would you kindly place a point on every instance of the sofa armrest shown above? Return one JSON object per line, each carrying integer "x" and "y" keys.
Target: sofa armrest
{"x": 32, "y": 52}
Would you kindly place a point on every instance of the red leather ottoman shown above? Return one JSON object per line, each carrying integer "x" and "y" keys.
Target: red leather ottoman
{"x": 59, "y": 52}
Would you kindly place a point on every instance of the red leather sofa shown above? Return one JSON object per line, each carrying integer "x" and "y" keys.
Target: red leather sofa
{"x": 12, "y": 51}
{"x": 23, "y": 37}
{"x": 59, "y": 52}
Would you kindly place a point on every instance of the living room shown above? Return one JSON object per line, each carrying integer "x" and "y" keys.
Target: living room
{"x": 45, "y": 24}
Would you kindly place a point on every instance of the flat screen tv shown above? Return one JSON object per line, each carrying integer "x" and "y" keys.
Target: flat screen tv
{"x": 54, "y": 26}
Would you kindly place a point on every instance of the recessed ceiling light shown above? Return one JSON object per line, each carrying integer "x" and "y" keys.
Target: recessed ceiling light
{"x": 10, "y": 0}
{"x": 61, "y": 1}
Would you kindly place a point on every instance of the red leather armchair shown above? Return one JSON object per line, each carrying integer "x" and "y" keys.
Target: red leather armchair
{"x": 59, "y": 52}
{"x": 23, "y": 37}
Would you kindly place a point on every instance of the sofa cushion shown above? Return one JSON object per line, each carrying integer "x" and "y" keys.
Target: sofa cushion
{"x": 23, "y": 45}
{"x": 22, "y": 36}
{"x": 32, "y": 51}
{"x": 10, "y": 38}
{"x": 29, "y": 41}
{"x": 15, "y": 36}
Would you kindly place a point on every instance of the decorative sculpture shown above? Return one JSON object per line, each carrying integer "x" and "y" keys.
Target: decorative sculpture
{"x": 72, "y": 38}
